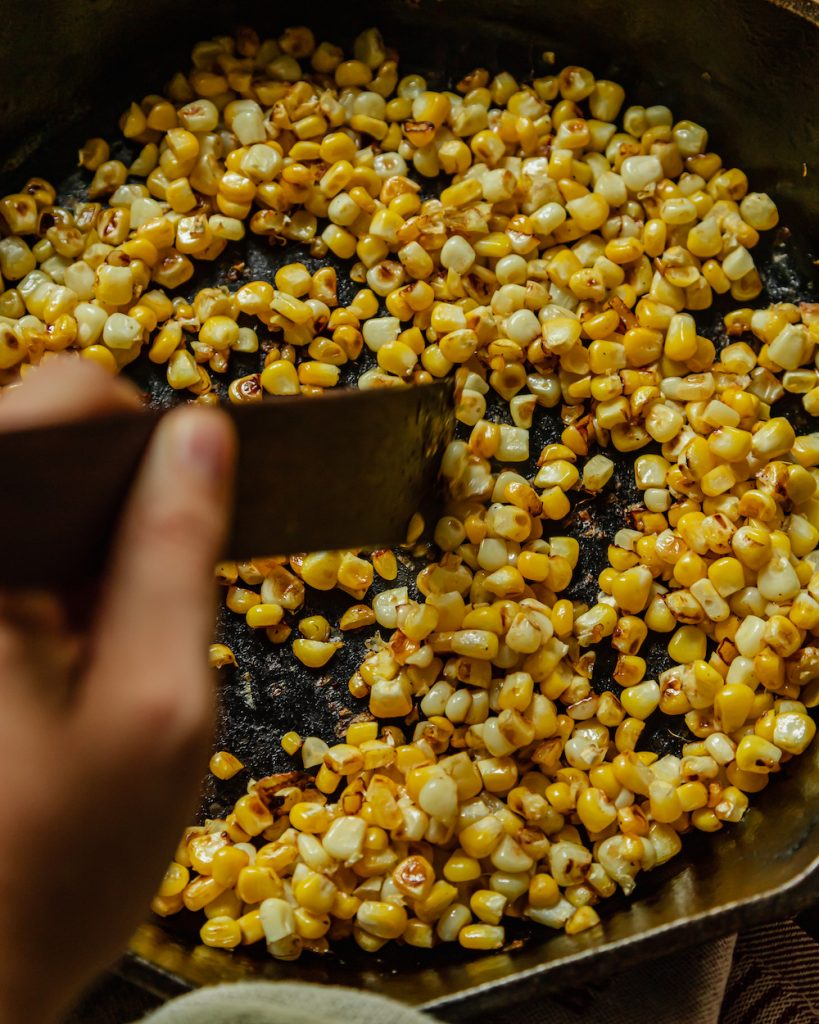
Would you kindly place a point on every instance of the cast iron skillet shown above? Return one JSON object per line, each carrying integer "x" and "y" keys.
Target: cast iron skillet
{"x": 745, "y": 69}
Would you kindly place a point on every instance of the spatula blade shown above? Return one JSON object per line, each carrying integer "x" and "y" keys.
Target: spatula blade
{"x": 345, "y": 469}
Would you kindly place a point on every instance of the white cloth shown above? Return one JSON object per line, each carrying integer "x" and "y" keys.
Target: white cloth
{"x": 266, "y": 1002}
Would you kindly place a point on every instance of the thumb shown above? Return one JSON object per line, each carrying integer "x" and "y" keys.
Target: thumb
{"x": 149, "y": 668}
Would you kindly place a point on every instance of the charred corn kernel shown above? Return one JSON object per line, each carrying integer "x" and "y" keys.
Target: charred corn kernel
{"x": 108, "y": 176}
{"x": 93, "y": 153}
{"x": 356, "y": 617}
{"x": 220, "y": 655}
{"x": 307, "y": 817}
{"x": 224, "y": 765}
{"x": 757, "y": 755}
{"x": 732, "y": 804}
{"x": 252, "y": 815}
{"x": 752, "y": 546}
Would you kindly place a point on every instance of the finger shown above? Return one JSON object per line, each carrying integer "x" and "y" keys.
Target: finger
{"x": 37, "y": 668}
{"x": 32, "y": 609}
{"x": 64, "y": 389}
{"x": 149, "y": 644}
{"x": 33, "y": 626}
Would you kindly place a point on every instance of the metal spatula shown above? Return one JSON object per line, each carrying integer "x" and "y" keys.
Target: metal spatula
{"x": 346, "y": 469}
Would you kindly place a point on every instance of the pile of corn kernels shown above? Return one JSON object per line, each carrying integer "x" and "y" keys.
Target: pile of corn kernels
{"x": 557, "y": 267}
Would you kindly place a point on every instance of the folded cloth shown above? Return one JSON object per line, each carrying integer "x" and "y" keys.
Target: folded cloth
{"x": 775, "y": 977}
{"x": 686, "y": 987}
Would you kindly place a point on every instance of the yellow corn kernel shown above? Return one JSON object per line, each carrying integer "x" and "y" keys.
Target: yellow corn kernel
{"x": 732, "y": 705}
{"x": 200, "y": 892}
{"x": 757, "y": 755}
{"x": 488, "y": 906}
{"x": 94, "y": 152}
{"x": 221, "y": 932}
{"x": 224, "y": 765}
{"x": 482, "y": 936}
{"x": 226, "y": 865}
{"x": 381, "y": 919}
{"x": 291, "y": 743}
{"x": 252, "y": 815}
{"x": 314, "y": 653}
{"x": 356, "y": 616}
{"x": 595, "y": 809}
{"x": 793, "y": 732}
{"x": 220, "y": 655}
{"x": 256, "y": 883}
{"x": 250, "y": 925}
{"x": 480, "y": 839}
{"x": 262, "y": 615}
{"x": 581, "y": 920}
{"x": 687, "y": 644}
{"x": 641, "y": 700}
{"x": 174, "y": 880}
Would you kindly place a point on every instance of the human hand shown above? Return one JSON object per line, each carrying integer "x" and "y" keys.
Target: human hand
{"x": 105, "y": 724}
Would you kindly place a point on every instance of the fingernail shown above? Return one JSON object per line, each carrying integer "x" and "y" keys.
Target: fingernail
{"x": 202, "y": 446}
